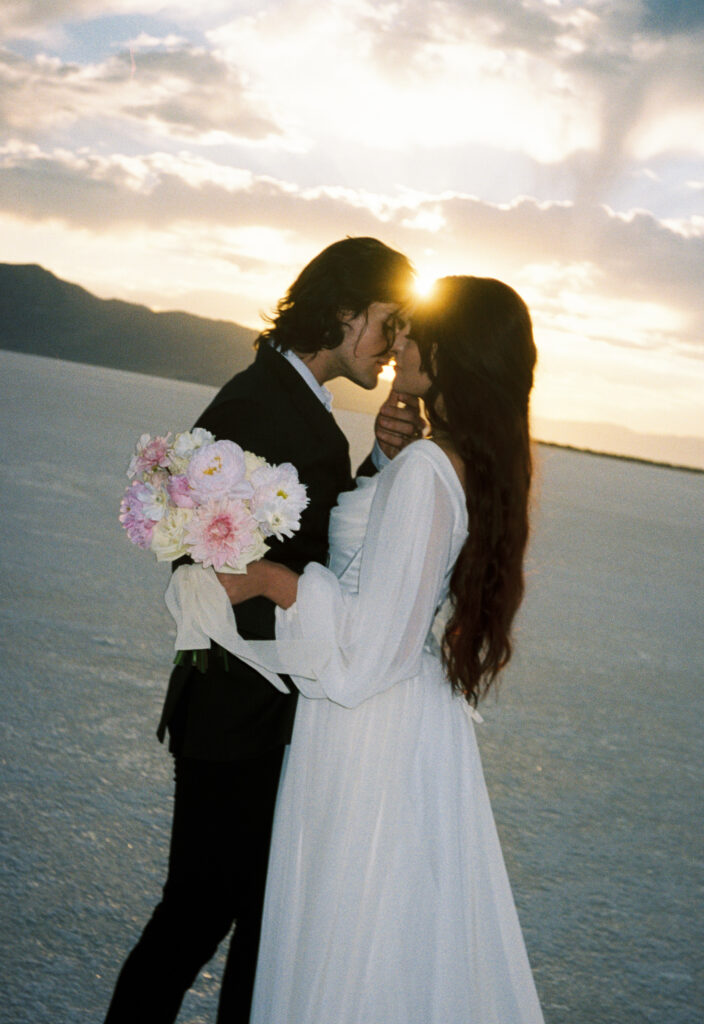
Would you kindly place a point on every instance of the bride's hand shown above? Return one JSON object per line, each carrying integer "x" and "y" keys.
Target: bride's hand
{"x": 245, "y": 585}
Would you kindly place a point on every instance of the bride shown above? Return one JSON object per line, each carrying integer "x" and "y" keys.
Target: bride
{"x": 387, "y": 896}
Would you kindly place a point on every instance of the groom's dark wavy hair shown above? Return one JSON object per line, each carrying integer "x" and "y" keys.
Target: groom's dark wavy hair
{"x": 476, "y": 343}
{"x": 346, "y": 277}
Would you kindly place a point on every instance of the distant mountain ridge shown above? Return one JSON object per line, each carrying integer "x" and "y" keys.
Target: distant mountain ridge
{"x": 42, "y": 315}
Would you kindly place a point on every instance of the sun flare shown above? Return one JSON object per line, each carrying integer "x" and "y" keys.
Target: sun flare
{"x": 424, "y": 284}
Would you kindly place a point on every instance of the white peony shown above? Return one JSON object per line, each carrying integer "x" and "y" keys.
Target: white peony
{"x": 217, "y": 471}
{"x": 252, "y": 463}
{"x": 155, "y": 502}
{"x": 277, "y": 518}
{"x": 279, "y": 499}
{"x": 168, "y": 537}
{"x": 185, "y": 444}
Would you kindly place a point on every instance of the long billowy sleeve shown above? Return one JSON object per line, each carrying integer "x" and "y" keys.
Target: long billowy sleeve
{"x": 358, "y": 644}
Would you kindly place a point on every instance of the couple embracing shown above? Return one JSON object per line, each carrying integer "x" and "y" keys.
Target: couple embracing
{"x": 386, "y": 899}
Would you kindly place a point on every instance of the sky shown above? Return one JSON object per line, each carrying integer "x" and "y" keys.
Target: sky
{"x": 196, "y": 156}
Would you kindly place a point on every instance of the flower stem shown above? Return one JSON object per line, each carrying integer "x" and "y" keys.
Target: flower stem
{"x": 198, "y": 659}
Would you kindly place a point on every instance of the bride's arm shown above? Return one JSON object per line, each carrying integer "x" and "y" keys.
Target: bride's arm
{"x": 361, "y": 643}
{"x": 262, "y": 579}
{"x": 344, "y": 645}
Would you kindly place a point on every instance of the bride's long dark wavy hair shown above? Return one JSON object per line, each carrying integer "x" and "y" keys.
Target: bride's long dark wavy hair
{"x": 476, "y": 344}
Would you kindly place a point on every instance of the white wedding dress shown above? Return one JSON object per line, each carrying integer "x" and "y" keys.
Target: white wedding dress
{"x": 387, "y": 897}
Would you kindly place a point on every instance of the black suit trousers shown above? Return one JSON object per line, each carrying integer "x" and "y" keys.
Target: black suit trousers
{"x": 223, "y": 813}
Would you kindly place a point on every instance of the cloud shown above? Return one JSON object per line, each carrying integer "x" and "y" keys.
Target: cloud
{"x": 547, "y": 80}
{"x": 180, "y": 91}
{"x": 395, "y": 75}
{"x": 162, "y": 190}
{"x": 21, "y": 16}
{"x": 37, "y": 18}
{"x": 202, "y": 153}
{"x": 647, "y": 92}
{"x": 635, "y": 258}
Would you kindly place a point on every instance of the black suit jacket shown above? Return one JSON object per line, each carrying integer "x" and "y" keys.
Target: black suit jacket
{"x": 229, "y": 714}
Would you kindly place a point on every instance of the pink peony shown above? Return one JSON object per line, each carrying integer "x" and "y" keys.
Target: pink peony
{"x": 220, "y": 533}
{"x": 151, "y": 453}
{"x": 218, "y": 471}
{"x": 132, "y": 516}
{"x": 180, "y": 492}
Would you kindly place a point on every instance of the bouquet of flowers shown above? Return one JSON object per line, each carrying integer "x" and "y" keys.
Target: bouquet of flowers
{"x": 211, "y": 500}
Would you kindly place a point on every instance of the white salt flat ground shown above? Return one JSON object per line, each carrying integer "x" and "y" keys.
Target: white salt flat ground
{"x": 592, "y": 752}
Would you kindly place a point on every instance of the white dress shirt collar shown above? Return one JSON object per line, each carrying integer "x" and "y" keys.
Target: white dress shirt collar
{"x": 319, "y": 390}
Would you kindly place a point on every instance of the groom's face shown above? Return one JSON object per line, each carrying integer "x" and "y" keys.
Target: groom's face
{"x": 367, "y": 341}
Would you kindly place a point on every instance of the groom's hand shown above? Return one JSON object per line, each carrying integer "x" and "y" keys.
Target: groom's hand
{"x": 398, "y": 422}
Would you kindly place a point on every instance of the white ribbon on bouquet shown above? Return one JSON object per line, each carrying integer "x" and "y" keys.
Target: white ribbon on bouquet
{"x": 202, "y": 612}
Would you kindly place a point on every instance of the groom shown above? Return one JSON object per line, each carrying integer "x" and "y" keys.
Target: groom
{"x": 228, "y": 726}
